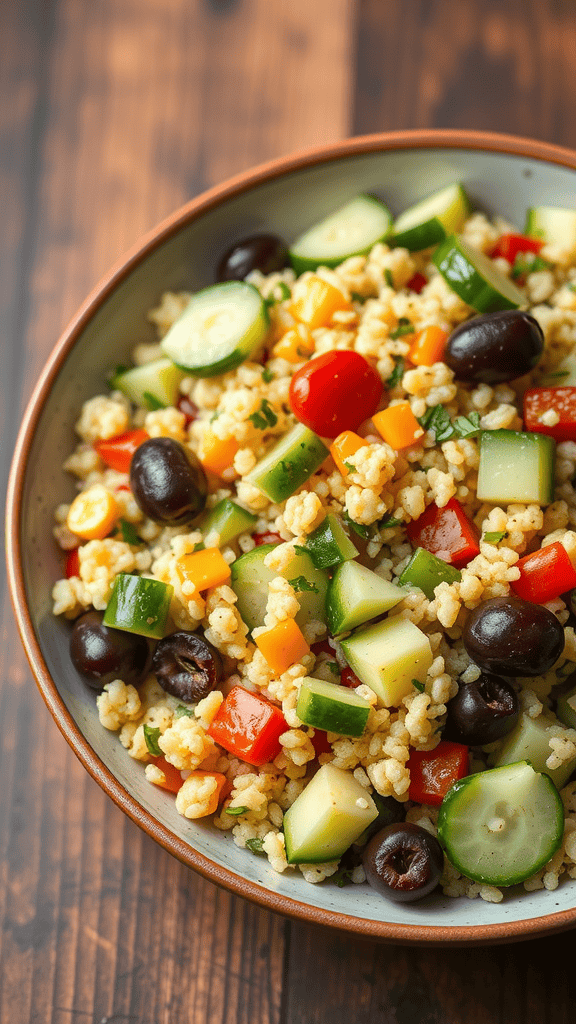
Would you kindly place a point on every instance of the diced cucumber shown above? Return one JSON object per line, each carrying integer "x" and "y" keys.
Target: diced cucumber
{"x": 350, "y": 231}
{"x": 431, "y": 220}
{"x": 567, "y": 368}
{"x": 474, "y": 277}
{"x": 139, "y": 605}
{"x": 332, "y": 707}
{"x": 356, "y": 595}
{"x": 501, "y": 826}
{"x": 221, "y": 327}
{"x": 516, "y": 466}
{"x": 388, "y": 657}
{"x": 228, "y": 520}
{"x": 327, "y": 817}
{"x": 250, "y": 579}
{"x": 566, "y": 708}
{"x": 427, "y": 571}
{"x": 530, "y": 741}
{"x": 329, "y": 544}
{"x": 154, "y": 384}
{"x": 553, "y": 225}
{"x": 289, "y": 464}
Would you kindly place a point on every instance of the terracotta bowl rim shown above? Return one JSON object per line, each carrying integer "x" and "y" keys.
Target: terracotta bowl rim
{"x": 415, "y": 139}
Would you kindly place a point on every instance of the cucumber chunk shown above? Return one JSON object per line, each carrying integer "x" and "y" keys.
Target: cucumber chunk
{"x": 427, "y": 571}
{"x": 329, "y": 544}
{"x": 502, "y": 825}
{"x": 474, "y": 277}
{"x": 388, "y": 657}
{"x": 431, "y": 220}
{"x": 553, "y": 225}
{"x": 327, "y": 817}
{"x": 530, "y": 741}
{"x": 155, "y": 384}
{"x": 332, "y": 707}
{"x": 516, "y": 466}
{"x": 221, "y": 327}
{"x": 350, "y": 231}
{"x": 289, "y": 464}
{"x": 566, "y": 708}
{"x": 356, "y": 595}
{"x": 250, "y": 579}
{"x": 139, "y": 605}
{"x": 228, "y": 520}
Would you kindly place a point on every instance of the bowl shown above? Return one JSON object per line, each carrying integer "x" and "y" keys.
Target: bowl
{"x": 503, "y": 175}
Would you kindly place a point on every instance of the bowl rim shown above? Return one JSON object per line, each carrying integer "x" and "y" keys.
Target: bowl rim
{"x": 266, "y": 898}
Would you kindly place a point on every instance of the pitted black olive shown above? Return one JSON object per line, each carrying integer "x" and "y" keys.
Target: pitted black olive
{"x": 495, "y": 348}
{"x": 101, "y": 654}
{"x": 481, "y": 711}
{"x": 168, "y": 481}
{"x": 266, "y": 253}
{"x": 403, "y": 862}
{"x": 187, "y": 666}
{"x": 511, "y": 637}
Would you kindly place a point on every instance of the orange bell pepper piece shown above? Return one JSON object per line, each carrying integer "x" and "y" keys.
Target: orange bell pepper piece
{"x": 398, "y": 425}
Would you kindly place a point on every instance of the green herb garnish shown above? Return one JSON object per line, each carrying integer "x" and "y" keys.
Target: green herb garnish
{"x": 404, "y": 327}
{"x": 129, "y": 535}
{"x": 267, "y": 375}
{"x": 151, "y": 737}
{"x": 356, "y": 297}
{"x": 152, "y": 402}
{"x": 387, "y": 524}
{"x": 397, "y": 373}
{"x": 333, "y": 666}
{"x": 183, "y": 712}
{"x": 556, "y": 374}
{"x": 256, "y": 845}
{"x": 265, "y": 417}
{"x": 300, "y": 584}
{"x": 358, "y": 528}
{"x": 350, "y": 467}
{"x": 342, "y": 877}
{"x": 438, "y": 421}
{"x": 468, "y": 426}
{"x": 418, "y": 685}
{"x": 528, "y": 263}
{"x": 236, "y": 811}
{"x": 388, "y": 277}
{"x": 495, "y": 536}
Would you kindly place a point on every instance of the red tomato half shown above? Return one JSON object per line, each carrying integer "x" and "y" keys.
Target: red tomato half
{"x": 562, "y": 401}
{"x": 432, "y": 772}
{"x": 117, "y": 451}
{"x": 335, "y": 392}
{"x": 508, "y": 246}
{"x": 266, "y": 538}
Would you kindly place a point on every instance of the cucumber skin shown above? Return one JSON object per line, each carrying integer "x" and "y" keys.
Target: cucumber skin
{"x": 302, "y": 263}
{"x": 127, "y": 597}
{"x": 340, "y": 621}
{"x": 277, "y": 483}
{"x": 313, "y": 601}
{"x": 432, "y": 572}
{"x": 432, "y": 230}
{"x": 472, "y": 286}
{"x": 225, "y": 512}
{"x": 312, "y": 710}
{"x": 324, "y": 547}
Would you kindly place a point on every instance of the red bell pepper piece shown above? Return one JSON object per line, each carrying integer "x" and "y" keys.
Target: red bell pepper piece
{"x": 432, "y": 772}
{"x": 320, "y": 742}
{"x": 266, "y": 538}
{"x": 562, "y": 401}
{"x": 174, "y": 780}
{"x": 349, "y": 678}
{"x": 447, "y": 533}
{"x": 248, "y": 726}
{"x": 417, "y": 282}
{"x": 72, "y": 565}
{"x": 117, "y": 451}
{"x": 545, "y": 574}
{"x": 508, "y": 246}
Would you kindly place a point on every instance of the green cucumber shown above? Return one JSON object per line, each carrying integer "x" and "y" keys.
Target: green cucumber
{"x": 516, "y": 466}
{"x": 350, "y": 231}
{"x": 427, "y": 571}
{"x": 553, "y": 225}
{"x": 289, "y": 464}
{"x": 327, "y": 817}
{"x": 564, "y": 375}
{"x": 501, "y": 826}
{"x": 152, "y": 385}
{"x": 432, "y": 219}
{"x": 228, "y": 520}
{"x": 566, "y": 708}
{"x": 356, "y": 595}
{"x": 332, "y": 707}
{"x": 388, "y": 657}
{"x": 474, "y": 278}
{"x": 139, "y": 605}
{"x": 221, "y": 327}
{"x": 329, "y": 544}
{"x": 529, "y": 740}
{"x": 250, "y": 579}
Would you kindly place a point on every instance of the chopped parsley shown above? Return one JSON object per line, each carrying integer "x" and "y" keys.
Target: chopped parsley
{"x": 343, "y": 876}
{"x": 358, "y": 528}
{"x": 495, "y": 536}
{"x": 437, "y": 420}
{"x": 236, "y": 811}
{"x": 397, "y": 373}
{"x": 356, "y": 297}
{"x": 418, "y": 685}
{"x": 267, "y": 375}
{"x": 350, "y": 467}
{"x": 468, "y": 426}
{"x": 151, "y": 737}
{"x": 556, "y": 374}
{"x": 387, "y": 524}
{"x": 152, "y": 402}
{"x": 334, "y": 667}
{"x": 388, "y": 277}
{"x": 300, "y": 584}
{"x": 528, "y": 263}
{"x": 265, "y": 417}
{"x": 129, "y": 535}
{"x": 404, "y": 327}
{"x": 284, "y": 294}
{"x": 256, "y": 845}
{"x": 183, "y": 712}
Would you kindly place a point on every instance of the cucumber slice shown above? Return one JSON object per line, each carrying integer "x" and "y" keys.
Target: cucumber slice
{"x": 566, "y": 708}
{"x": 289, "y": 464}
{"x": 350, "y": 231}
{"x": 474, "y": 277}
{"x": 250, "y": 579}
{"x": 155, "y": 384}
{"x": 329, "y": 544}
{"x": 502, "y": 825}
{"x": 388, "y": 657}
{"x": 220, "y": 328}
{"x": 332, "y": 707}
{"x": 139, "y": 605}
{"x": 553, "y": 225}
{"x": 427, "y": 571}
{"x": 327, "y": 817}
{"x": 516, "y": 466}
{"x": 356, "y": 595}
{"x": 530, "y": 740}
{"x": 431, "y": 220}
{"x": 228, "y": 520}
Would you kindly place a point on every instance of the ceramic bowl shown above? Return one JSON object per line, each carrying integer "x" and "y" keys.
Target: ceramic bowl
{"x": 502, "y": 175}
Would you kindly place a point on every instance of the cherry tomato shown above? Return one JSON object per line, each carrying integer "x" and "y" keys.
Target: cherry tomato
{"x": 266, "y": 538}
{"x": 349, "y": 678}
{"x": 117, "y": 451}
{"x": 509, "y": 246}
{"x": 334, "y": 392}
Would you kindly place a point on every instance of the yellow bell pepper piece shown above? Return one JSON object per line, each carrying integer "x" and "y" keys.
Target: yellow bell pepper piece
{"x": 93, "y": 513}
{"x": 215, "y": 454}
{"x": 314, "y": 302}
{"x": 282, "y": 645}
{"x": 295, "y": 345}
{"x": 343, "y": 447}
{"x": 204, "y": 569}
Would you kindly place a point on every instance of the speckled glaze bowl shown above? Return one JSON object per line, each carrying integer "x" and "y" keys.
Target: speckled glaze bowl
{"x": 502, "y": 175}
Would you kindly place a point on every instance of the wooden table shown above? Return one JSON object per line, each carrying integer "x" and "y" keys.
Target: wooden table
{"x": 113, "y": 113}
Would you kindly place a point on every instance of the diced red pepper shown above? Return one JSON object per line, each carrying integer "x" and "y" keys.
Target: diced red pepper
{"x": 349, "y": 678}
{"x": 248, "y": 726}
{"x": 266, "y": 538}
{"x": 324, "y": 647}
{"x": 72, "y": 566}
{"x": 562, "y": 401}
{"x": 189, "y": 408}
{"x": 545, "y": 574}
{"x": 508, "y": 246}
{"x": 432, "y": 772}
{"x": 417, "y": 282}
{"x": 320, "y": 742}
{"x": 117, "y": 451}
{"x": 174, "y": 780}
{"x": 447, "y": 533}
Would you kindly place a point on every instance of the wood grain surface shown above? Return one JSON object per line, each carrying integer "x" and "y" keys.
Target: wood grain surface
{"x": 113, "y": 113}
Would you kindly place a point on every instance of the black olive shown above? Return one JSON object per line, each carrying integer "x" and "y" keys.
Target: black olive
{"x": 494, "y": 348}
{"x": 168, "y": 481}
{"x": 403, "y": 862}
{"x": 266, "y": 253}
{"x": 187, "y": 666}
{"x": 101, "y": 654}
{"x": 512, "y": 637}
{"x": 482, "y": 711}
